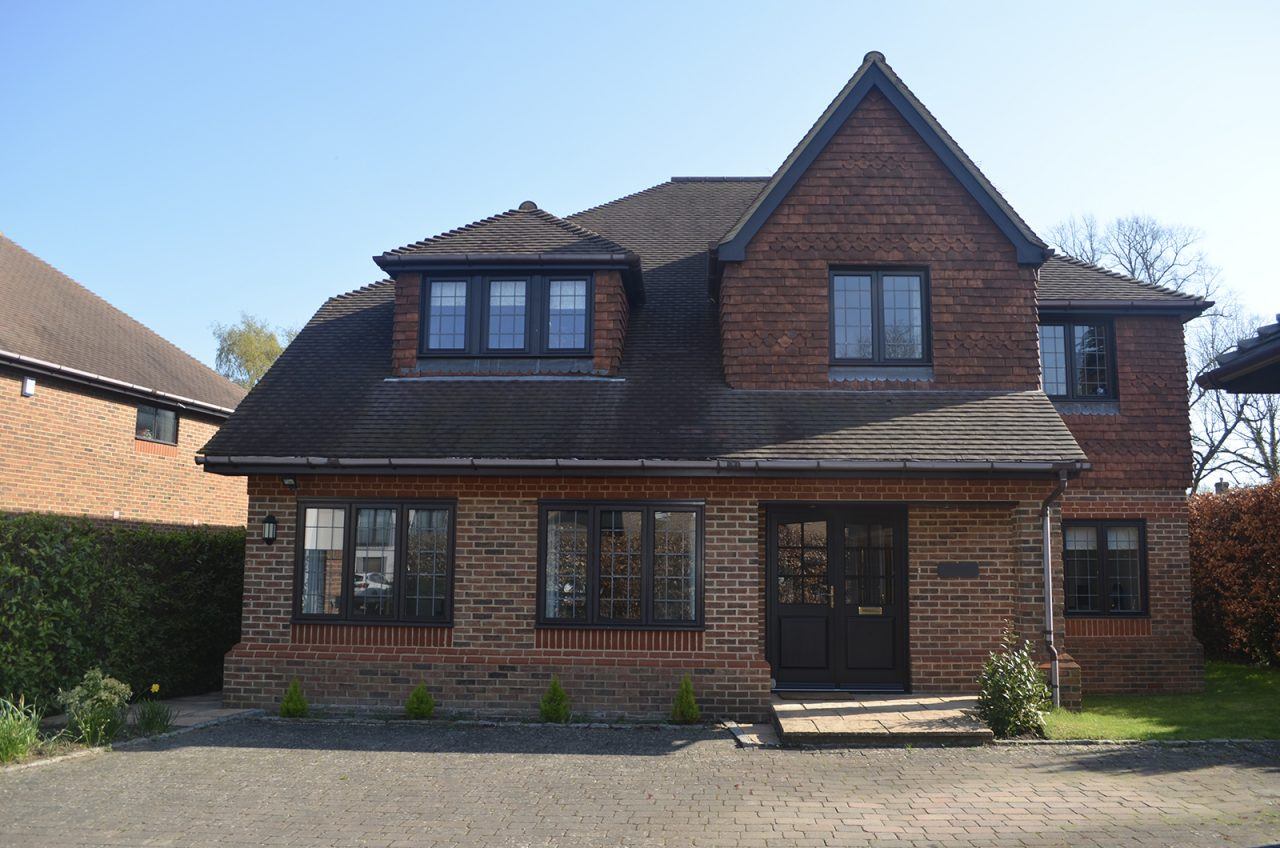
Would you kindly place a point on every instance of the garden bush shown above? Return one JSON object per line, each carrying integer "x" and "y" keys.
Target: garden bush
{"x": 685, "y": 710}
{"x": 1235, "y": 573}
{"x": 96, "y": 707}
{"x": 1012, "y": 692}
{"x": 142, "y": 603}
{"x": 420, "y": 704}
{"x": 555, "y": 703}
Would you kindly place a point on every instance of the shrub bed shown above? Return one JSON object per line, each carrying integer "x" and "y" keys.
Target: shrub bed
{"x": 1235, "y": 572}
{"x": 142, "y": 603}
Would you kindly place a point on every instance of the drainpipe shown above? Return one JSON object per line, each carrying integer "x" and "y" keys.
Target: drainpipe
{"x": 1046, "y": 553}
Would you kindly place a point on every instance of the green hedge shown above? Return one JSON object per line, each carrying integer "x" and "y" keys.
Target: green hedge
{"x": 147, "y": 605}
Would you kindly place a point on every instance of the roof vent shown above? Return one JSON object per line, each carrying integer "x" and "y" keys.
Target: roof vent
{"x": 528, "y": 206}
{"x": 873, "y": 56}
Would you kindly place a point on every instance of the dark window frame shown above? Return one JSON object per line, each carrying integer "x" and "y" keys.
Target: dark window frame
{"x": 156, "y": 410}
{"x": 593, "y": 621}
{"x": 537, "y": 316}
{"x": 877, "y": 274}
{"x": 1099, "y": 527}
{"x": 1068, "y": 324}
{"x": 467, "y": 315}
{"x": 345, "y": 614}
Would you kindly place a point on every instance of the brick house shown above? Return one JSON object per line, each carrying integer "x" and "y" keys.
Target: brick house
{"x": 99, "y": 416}
{"x": 801, "y": 431}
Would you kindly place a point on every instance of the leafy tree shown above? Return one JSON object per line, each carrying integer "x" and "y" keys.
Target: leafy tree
{"x": 248, "y": 348}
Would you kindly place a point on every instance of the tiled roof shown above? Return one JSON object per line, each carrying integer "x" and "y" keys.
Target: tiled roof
{"x": 47, "y": 316}
{"x": 526, "y": 230}
{"x": 1066, "y": 280}
{"x": 671, "y": 403}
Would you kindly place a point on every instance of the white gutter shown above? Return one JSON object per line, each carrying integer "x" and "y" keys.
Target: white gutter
{"x": 89, "y": 377}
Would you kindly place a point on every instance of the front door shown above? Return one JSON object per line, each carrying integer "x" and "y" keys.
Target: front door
{"x": 837, "y": 597}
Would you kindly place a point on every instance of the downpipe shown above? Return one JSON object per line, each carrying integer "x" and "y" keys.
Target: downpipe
{"x": 1046, "y": 556}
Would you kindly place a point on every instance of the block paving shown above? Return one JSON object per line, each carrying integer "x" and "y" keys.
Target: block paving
{"x": 393, "y": 785}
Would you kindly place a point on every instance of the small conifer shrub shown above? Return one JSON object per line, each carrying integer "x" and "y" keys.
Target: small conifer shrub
{"x": 293, "y": 705}
{"x": 685, "y": 710}
{"x": 420, "y": 704}
{"x": 555, "y": 704}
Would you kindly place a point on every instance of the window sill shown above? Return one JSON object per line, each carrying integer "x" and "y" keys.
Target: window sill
{"x": 155, "y": 441}
{"x": 1106, "y": 616}
{"x": 1065, "y": 406}
{"x": 569, "y": 625}
{"x": 366, "y": 622}
{"x": 879, "y": 373}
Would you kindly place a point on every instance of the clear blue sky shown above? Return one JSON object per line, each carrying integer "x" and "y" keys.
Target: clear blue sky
{"x": 188, "y": 161}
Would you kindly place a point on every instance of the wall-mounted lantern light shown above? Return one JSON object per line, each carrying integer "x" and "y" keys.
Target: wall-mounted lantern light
{"x": 28, "y": 386}
{"x": 269, "y": 529}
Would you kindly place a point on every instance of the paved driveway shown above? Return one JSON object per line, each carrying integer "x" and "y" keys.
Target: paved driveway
{"x": 266, "y": 783}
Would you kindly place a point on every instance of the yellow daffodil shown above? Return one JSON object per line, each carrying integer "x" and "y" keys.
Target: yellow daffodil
{"x": 155, "y": 687}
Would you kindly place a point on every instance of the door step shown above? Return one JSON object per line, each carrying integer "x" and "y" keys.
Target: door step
{"x": 869, "y": 719}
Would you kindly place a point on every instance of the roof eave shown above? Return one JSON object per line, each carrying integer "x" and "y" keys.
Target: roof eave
{"x": 76, "y": 375}
{"x": 1109, "y": 306}
{"x": 242, "y": 465}
{"x": 876, "y": 74}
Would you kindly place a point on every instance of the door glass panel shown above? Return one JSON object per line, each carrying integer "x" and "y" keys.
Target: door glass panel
{"x": 868, "y": 565}
{"x": 802, "y": 563}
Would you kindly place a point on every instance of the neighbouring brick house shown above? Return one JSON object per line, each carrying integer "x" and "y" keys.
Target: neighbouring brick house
{"x": 99, "y": 416}
{"x": 802, "y": 431}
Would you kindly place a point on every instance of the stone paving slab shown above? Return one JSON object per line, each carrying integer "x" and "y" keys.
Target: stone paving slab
{"x": 254, "y": 782}
{"x": 869, "y": 719}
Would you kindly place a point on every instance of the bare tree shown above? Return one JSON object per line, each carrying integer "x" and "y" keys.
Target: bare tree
{"x": 1169, "y": 255}
{"x": 1259, "y": 446}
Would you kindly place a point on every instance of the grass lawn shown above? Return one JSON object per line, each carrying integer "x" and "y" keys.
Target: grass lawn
{"x": 1239, "y": 702}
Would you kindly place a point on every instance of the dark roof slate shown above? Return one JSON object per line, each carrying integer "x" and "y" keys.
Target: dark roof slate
{"x": 1065, "y": 279}
{"x": 46, "y": 315}
{"x": 1251, "y": 366}
{"x": 671, "y": 403}
{"x": 526, "y": 230}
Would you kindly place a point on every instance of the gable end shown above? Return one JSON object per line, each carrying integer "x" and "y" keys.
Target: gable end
{"x": 876, "y": 74}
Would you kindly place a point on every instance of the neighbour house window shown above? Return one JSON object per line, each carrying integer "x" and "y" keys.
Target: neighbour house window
{"x": 156, "y": 425}
{"x": 1104, "y": 566}
{"x": 506, "y": 315}
{"x": 376, "y": 562}
{"x": 1077, "y": 361}
{"x": 630, "y": 565}
{"x": 879, "y": 317}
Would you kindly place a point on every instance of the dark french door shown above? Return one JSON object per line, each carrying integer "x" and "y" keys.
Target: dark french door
{"x": 837, "y": 609}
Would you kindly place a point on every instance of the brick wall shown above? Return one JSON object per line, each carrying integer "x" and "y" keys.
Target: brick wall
{"x": 609, "y": 330}
{"x": 611, "y": 313}
{"x": 71, "y": 450}
{"x": 878, "y": 196}
{"x": 495, "y": 660}
{"x": 1148, "y": 444}
{"x": 1158, "y": 652}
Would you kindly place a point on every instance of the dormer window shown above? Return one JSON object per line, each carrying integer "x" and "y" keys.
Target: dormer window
{"x": 879, "y": 317}
{"x": 506, "y": 315}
